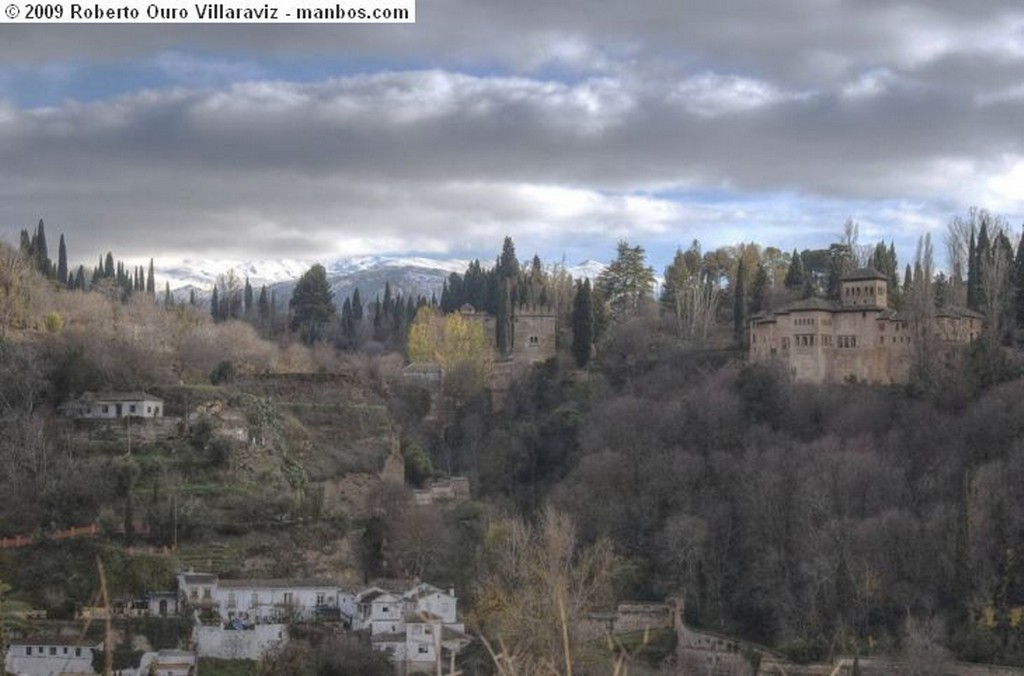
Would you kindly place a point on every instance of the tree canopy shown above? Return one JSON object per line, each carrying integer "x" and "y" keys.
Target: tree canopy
{"x": 312, "y": 304}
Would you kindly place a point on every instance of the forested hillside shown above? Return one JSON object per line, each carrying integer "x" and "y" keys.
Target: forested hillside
{"x": 821, "y": 520}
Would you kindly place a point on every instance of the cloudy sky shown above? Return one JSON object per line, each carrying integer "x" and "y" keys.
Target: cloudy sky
{"x": 568, "y": 124}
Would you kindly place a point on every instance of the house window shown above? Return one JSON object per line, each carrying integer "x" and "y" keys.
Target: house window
{"x": 131, "y": 408}
{"x": 423, "y": 650}
{"x": 53, "y": 650}
{"x": 78, "y": 652}
{"x": 206, "y": 593}
{"x": 106, "y": 409}
{"x": 320, "y": 599}
{"x": 28, "y": 650}
{"x": 65, "y": 650}
{"x": 288, "y": 598}
{"x": 534, "y": 340}
{"x": 149, "y": 409}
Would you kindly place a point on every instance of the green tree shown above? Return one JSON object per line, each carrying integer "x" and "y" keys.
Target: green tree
{"x": 311, "y": 304}
{"x": 247, "y": 297}
{"x": 627, "y": 282}
{"x": 739, "y": 302}
{"x": 582, "y": 323}
{"x": 508, "y": 274}
{"x": 62, "y": 262}
{"x": 759, "y": 290}
{"x": 151, "y": 281}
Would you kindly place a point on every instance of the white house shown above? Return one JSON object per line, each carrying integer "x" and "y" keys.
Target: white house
{"x": 415, "y": 628}
{"x": 246, "y": 602}
{"x": 168, "y": 663}
{"x": 379, "y": 611}
{"x": 114, "y": 405}
{"x": 49, "y": 657}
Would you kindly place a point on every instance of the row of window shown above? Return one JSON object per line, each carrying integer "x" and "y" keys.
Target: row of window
{"x": 150, "y": 410}
{"x": 52, "y": 650}
{"x": 868, "y": 290}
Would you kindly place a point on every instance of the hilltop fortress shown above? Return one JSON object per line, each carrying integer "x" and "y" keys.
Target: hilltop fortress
{"x": 855, "y": 338}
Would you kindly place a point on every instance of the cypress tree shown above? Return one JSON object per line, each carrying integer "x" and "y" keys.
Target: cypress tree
{"x": 1018, "y": 269}
{"x": 108, "y": 266}
{"x": 214, "y": 310}
{"x": 348, "y": 328}
{"x": 582, "y": 323}
{"x": 168, "y": 298}
{"x": 151, "y": 280}
{"x": 80, "y": 278}
{"x": 263, "y": 306}
{"x": 62, "y": 262}
{"x": 247, "y": 297}
{"x": 739, "y": 302}
{"x": 192, "y": 297}
{"x": 357, "y": 306}
{"x": 795, "y": 275}
{"x": 26, "y": 244}
{"x": 42, "y": 255}
{"x": 759, "y": 290}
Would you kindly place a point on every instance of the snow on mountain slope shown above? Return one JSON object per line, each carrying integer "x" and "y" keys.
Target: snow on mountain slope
{"x": 370, "y": 274}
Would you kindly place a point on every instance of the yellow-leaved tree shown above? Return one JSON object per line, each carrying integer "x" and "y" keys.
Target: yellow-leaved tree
{"x": 459, "y": 344}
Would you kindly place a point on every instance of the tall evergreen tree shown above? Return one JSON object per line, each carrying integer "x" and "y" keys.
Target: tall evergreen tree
{"x": 357, "y": 307}
{"x": 973, "y": 274}
{"x": 795, "y": 275}
{"x": 759, "y": 290}
{"x": 62, "y": 262}
{"x": 108, "y": 266}
{"x": 348, "y": 327}
{"x": 192, "y": 297}
{"x": 1018, "y": 269}
{"x": 627, "y": 282}
{"x": 739, "y": 302}
{"x": 168, "y": 298}
{"x": 151, "y": 280}
{"x": 214, "y": 305}
{"x": 507, "y": 271}
{"x": 263, "y": 307}
{"x": 26, "y": 244}
{"x": 582, "y": 323}
{"x": 247, "y": 297}
{"x": 39, "y": 249}
{"x": 80, "y": 278}
{"x": 311, "y": 304}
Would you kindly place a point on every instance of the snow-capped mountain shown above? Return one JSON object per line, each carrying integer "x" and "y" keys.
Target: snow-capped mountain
{"x": 407, "y": 276}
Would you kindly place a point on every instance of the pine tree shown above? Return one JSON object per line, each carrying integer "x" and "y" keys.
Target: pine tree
{"x": 151, "y": 280}
{"x": 582, "y": 323}
{"x": 80, "y": 278}
{"x": 108, "y": 266}
{"x": 62, "y": 262}
{"x": 311, "y": 304}
{"x": 192, "y": 297}
{"x": 627, "y": 282}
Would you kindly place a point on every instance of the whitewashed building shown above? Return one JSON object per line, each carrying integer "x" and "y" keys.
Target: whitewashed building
{"x": 114, "y": 405}
{"x": 49, "y": 656}
{"x": 247, "y": 602}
